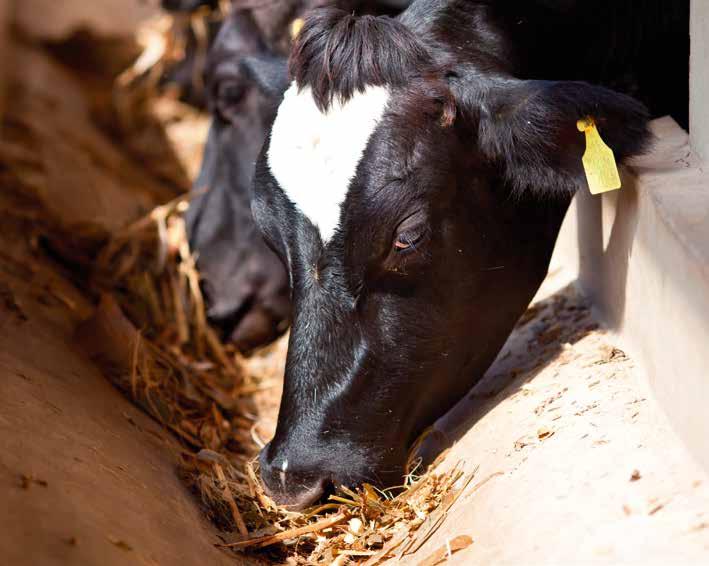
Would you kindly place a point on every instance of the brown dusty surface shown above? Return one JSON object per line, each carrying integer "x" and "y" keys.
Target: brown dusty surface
{"x": 85, "y": 477}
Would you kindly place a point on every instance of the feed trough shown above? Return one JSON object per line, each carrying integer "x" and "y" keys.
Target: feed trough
{"x": 129, "y": 430}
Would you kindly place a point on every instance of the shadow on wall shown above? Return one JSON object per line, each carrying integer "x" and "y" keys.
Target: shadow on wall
{"x": 619, "y": 210}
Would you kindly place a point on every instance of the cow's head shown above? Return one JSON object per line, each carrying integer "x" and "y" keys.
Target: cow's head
{"x": 244, "y": 282}
{"x": 415, "y": 208}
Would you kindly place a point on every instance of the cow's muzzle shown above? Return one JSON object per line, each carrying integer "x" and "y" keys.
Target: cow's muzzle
{"x": 291, "y": 484}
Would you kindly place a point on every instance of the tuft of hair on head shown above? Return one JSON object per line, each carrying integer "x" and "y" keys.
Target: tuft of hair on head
{"x": 338, "y": 54}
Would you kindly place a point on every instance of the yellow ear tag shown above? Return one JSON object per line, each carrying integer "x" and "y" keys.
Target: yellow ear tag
{"x": 598, "y": 160}
{"x": 295, "y": 27}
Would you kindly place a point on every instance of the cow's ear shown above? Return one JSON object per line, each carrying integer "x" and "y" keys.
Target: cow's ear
{"x": 530, "y": 129}
{"x": 268, "y": 72}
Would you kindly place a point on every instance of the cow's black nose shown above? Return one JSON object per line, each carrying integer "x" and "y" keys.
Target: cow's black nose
{"x": 293, "y": 484}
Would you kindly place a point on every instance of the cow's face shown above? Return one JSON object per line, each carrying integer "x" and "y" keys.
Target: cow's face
{"x": 407, "y": 218}
{"x": 244, "y": 282}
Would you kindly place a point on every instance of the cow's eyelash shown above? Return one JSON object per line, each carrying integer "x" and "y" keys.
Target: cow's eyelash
{"x": 409, "y": 240}
{"x": 405, "y": 243}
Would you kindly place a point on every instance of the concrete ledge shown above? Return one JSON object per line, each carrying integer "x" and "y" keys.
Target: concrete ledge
{"x": 642, "y": 256}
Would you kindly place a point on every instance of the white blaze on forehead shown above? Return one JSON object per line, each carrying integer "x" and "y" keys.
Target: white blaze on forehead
{"x": 314, "y": 155}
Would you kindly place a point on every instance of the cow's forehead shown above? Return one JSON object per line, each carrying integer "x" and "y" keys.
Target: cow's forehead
{"x": 314, "y": 155}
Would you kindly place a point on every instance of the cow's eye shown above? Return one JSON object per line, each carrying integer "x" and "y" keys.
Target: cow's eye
{"x": 409, "y": 244}
{"x": 407, "y": 241}
{"x": 410, "y": 233}
{"x": 230, "y": 94}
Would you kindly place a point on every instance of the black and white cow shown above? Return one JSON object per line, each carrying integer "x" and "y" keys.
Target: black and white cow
{"x": 413, "y": 184}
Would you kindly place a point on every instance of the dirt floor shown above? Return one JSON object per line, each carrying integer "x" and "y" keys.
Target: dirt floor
{"x": 86, "y": 477}
{"x": 573, "y": 461}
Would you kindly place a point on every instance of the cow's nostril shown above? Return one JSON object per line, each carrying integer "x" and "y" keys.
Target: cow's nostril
{"x": 290, "y": 485}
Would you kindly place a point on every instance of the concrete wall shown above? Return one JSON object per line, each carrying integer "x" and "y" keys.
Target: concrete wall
{"x": 642, "y": 257}
{"x": 699, "y": 100}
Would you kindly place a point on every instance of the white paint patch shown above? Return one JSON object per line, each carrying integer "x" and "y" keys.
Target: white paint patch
{"x": 314, "y": 155}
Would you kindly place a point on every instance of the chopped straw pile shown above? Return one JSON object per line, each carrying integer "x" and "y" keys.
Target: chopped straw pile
{"x": 178, "y": 371}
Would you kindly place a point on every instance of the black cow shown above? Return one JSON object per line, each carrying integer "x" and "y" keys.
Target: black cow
{"x": 414, "y": 183}
{"x": 244, "y": 282}
{"x": 246, "y": 285}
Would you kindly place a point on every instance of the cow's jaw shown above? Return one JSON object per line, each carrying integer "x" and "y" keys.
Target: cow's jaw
{"x": 314, "y": 155}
